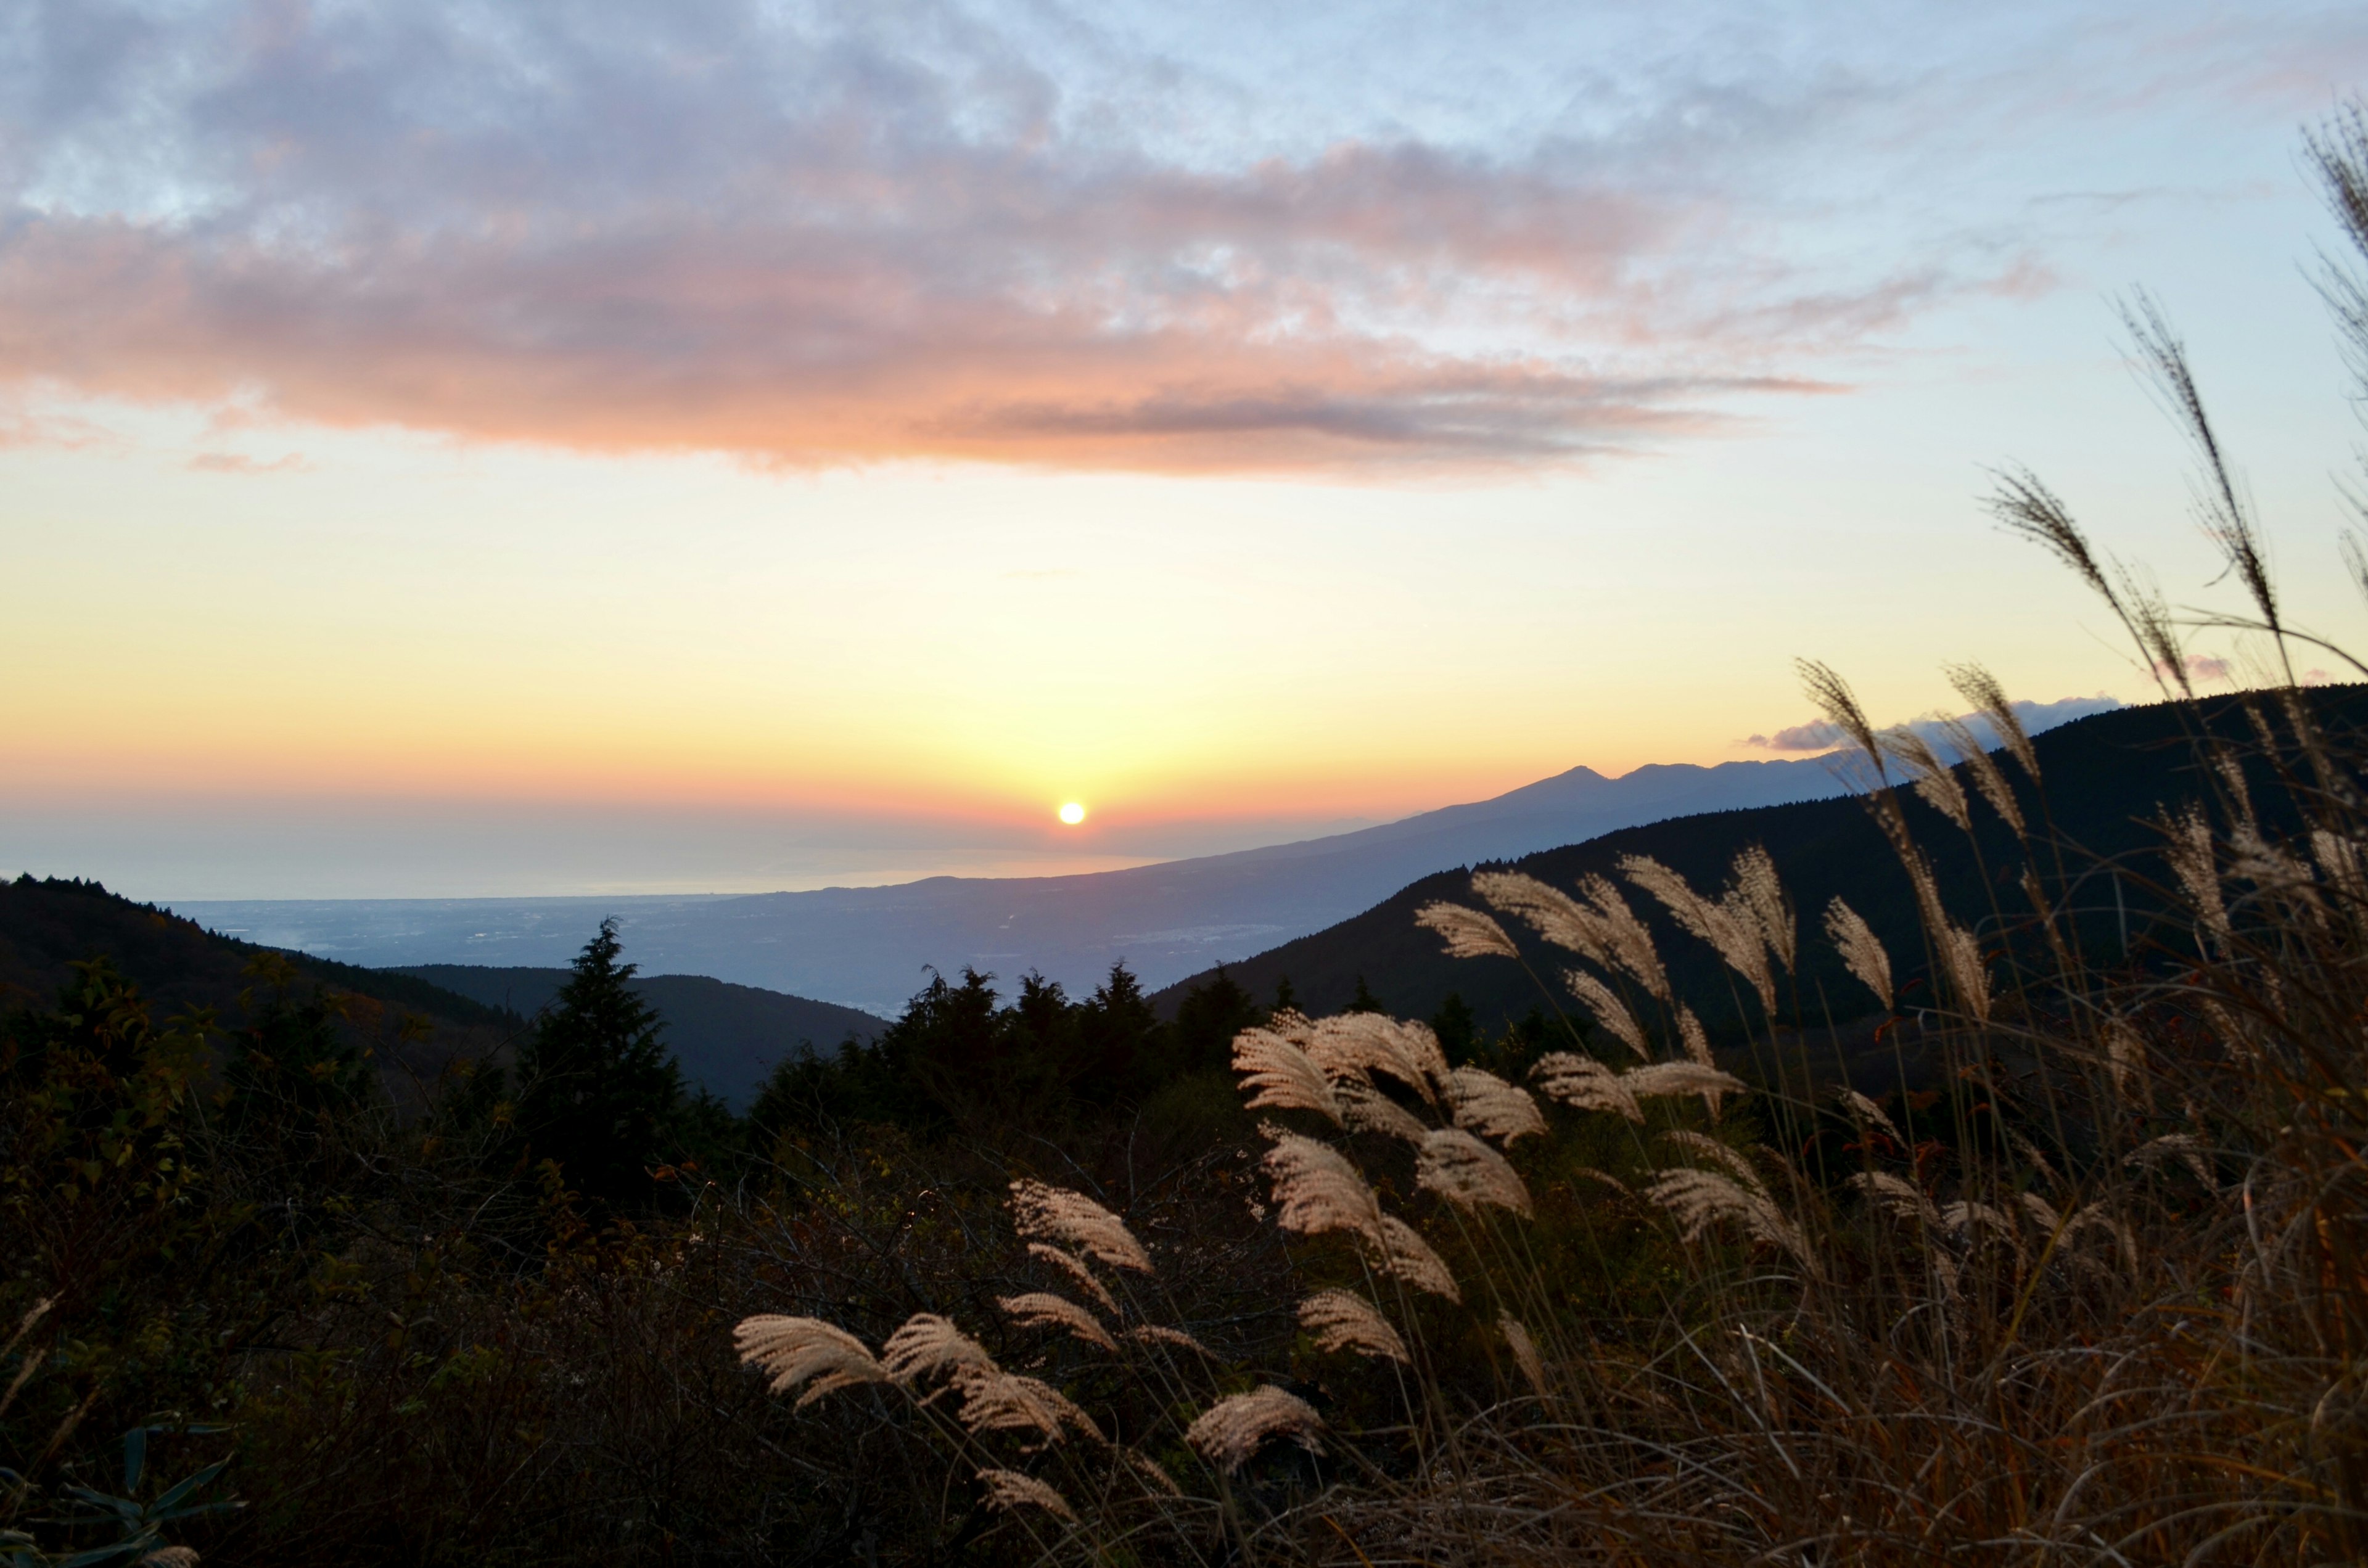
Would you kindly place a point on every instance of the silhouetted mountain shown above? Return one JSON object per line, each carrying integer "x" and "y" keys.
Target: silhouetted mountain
{"x": 2105, "y": 778}
{"x": 48, "y": 926}
{"x": 726, "y": 1037}
{"x": 870, "y": 946}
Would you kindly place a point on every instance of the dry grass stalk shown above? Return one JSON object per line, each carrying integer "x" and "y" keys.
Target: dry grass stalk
{"x": 1071, "y": 1219}
{"x": 1469, "y": 1174}
{"x": 1762, "y": 892}
{"x": 1730, "y": 926}
{"x": 1692, "y": 1035}
{"x": 1401, "y": 1253}
{"x": 1404, "y": 1050}
{"x": 1524, "y": 1349}
{"x": 1932, "y": 777}
{"x": 1583, "y": 1083}
{"x": 1961, "y": 957}
{"x": 1342, "y": 1320}
{"x": 1174, "y": 1338}
{"x": 1007, "y": 1490}
{"x": 1079, "y": 1275}
{"x": 1670, "y": 1079}
{"x": 1897, "y": 1195}
{"x": 1318, "y": 1190}
{"x": 794, "y": 1349}
{"x": 1005, "y": 1402}
{"x": 1284, "y": 1077}
{"x": 1369, "y": 1110}
{"x": 1699, "y": 1199}
{"x": 1982, "y": 693}
{"x": 1552, "y": 914}
{"x": 1230, "y": 1431}
{"x": 1862, "y": 949}
{"x": 1609, "y": 1010}
{"x": 1989, "y": 778}
{"x": 1470, "y": 933}
{"x": 928, "y": 1344}
{"x": 1040, "y": 1309}
{"x": 1631, "y": 940}
{"x": 1868, "y": 1114}
{"x": 1489, "y": 1106}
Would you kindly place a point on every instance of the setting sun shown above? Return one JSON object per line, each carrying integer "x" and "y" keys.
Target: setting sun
{"x": 1073, "y": 813}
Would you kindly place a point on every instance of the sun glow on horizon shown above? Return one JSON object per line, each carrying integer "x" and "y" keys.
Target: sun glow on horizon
{"x": 1073, "y": 813}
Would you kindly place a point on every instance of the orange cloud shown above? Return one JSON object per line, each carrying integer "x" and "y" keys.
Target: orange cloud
{"x": 716, "y": 231}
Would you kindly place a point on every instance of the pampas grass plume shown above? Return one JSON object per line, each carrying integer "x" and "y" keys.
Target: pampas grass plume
{"x": 794, "y": 1349}
{"x": 1230, "y": 1431}
{"x": 1007, "y": 1490}
{"x": 1342, "y": 1320}
{"x": 1469, "y": 1174}
{"x": 1042, "y": 1309}
{"x": 1057, "y": 1214}
{"x": 1470, "y": 933}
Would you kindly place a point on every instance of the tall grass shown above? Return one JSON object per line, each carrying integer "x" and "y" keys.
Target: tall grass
{"x": 2090, "y": 1285}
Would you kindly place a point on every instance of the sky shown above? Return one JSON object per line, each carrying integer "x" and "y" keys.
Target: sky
{"x": 468, "y": 450}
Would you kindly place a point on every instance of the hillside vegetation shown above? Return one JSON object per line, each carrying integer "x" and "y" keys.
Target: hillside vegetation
{"x": 1659, "y": 1279}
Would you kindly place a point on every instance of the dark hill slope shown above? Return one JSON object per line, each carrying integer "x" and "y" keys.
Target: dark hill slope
{"x": 2105, "y": 777}
{"x": 48, "y": 926}
{"x": 727, "y": 1037}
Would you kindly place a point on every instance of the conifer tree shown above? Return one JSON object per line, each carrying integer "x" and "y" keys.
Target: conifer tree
{"x": 597, "y": 1087}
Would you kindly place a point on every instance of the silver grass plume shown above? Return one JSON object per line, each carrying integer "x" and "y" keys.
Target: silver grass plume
{"x": 1490, "y": 1106}
{"x": 1318, "y": 1191}
{"x": 1230, "y": 1431}
{"x": 1721, "y": 1153}
{"x": 1401, "y": 1254}
{"x": 1693, "y": 1037}
{"x": 1832, "y": 695}
{"x": 1982, "y": 693}
{"x": 171, "y": 1557}
{"x": 1369, "y": 1110}
{"x": 1056, "y": 1214}
{"x": 1404, "y": 1050}
{"x": 1469, "y": 1174}
{"x": 1933, "y": 778}
{"x": 1868, "y": 1114}
{"x": 1631, "y": 942}
{"x": 1148, "y": 1468}
{"x": 1005, "y": 1402}
{"x": 1342, "y": 1320}
{"x": 1664, "y": 1079}
{"x": 1961, "y": 955}
{"x": 1470, "y": 933}
{"x": 1072, "y": 1266}
{"x": 1524, "y": 1349}
{"x": 2185, "y": 1147}
{"x": 1863, "y": 952}
{"x": 928, "y": 1344}
{"x": 1040, "y": 1309}
{"x": 795, "y": 1349}
{"x": 1552, "y": 912}
{"x": 2339, "y": 862}
{"x": 1007, "y": 1490}
{"x": 1282, "y": 1076}
{"x": 1762, "y": 892}
{"x": 1585, "y": 1084}
{"x": 1903, "y": 1200}
{"x": 1699, "y": 1199}
{"x": 2126, "y": 1061}
{"x": 1610, "y": 1012}
{"x": 1989, "y": 778}
{"x": 1737, "y": 940}
{"x": 1175, "y": 1338}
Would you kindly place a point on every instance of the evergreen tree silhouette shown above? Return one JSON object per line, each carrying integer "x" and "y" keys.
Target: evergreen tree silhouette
{"x": 597, "y": 1086}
